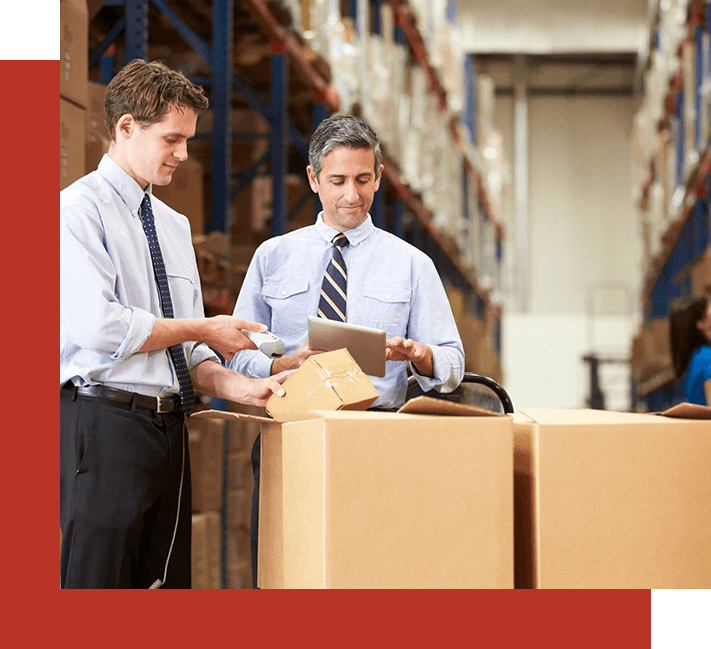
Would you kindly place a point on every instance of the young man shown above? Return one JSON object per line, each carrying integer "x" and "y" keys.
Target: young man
{"x": 386, "y": 283}
{"x": 135, "y": 345}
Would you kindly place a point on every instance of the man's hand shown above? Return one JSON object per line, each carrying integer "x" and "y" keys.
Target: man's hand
{"x": 223, "y": 333}
{"x": 256, "y": 392}
{"x": 419, "y": 354}
{"x": 296, "y": 360}
{"x": 212, "y": 378}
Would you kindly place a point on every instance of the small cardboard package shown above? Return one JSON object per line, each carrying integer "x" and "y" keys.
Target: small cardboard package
{"x": 613, "y": 500}
{"x": 329, "y": 381}
{"x": 353, "y": 499}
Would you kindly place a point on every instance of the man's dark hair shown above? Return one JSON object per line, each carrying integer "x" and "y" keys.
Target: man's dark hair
{"x": 148, "y": 91}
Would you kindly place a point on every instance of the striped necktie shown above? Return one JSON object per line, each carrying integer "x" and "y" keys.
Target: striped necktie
{"x": 332, "y": 304}
{"x": 187, "y": 396}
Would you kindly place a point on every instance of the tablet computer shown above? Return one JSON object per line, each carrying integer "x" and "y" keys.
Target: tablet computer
{"x": 366, "y": 345}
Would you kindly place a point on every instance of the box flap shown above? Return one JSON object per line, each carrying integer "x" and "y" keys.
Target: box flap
{"x": 687, "y": 411}
{"x": 223, "y": 414}
{"x": 430, "y": 406}
{"x": 575, "y": 416}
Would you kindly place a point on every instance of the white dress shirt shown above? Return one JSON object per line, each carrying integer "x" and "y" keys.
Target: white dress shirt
{"x": 109, "y": 297}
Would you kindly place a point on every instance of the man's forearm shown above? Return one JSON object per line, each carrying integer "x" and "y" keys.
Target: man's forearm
{"x": 425, "y": 365}
{"x": 167, "y": 332}
{"x": 211, "y": 378}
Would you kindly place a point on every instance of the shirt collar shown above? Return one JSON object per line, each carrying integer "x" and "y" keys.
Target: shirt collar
{"x": 126, "y": 187}
{"x": 355, "y": 235}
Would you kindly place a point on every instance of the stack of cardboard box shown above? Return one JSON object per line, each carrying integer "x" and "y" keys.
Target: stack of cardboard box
{"x": 73, "y": 92}
{"x": 220, "y": 457}
{"x": 240, "y": 481}
{"x": 206, "y": 459}
{"x": 97, "y": 137}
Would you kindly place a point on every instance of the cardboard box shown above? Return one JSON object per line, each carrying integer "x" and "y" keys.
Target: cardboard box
{"x": 185, "y": 193}
{"x": 71, "y": 143}
{"x": 239, "y": 575}
{"x": 328, "y": 381}
{"x": 206, "y": 555}
{"x": 612, "y": 500}
{"x": 206, "y": 452}
{"x": 238, "y": 547}
{"x": 386, "y": 500}
{"x": 97, "y": 138}
{"x": 239, "y": 508}
{"x": 74, "y": 51}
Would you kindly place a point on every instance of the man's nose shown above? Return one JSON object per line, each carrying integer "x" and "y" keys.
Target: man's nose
{"x": 181, "y": 151}
{"x": 351, "y": 194}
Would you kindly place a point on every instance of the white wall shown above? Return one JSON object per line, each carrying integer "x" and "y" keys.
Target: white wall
{"x": 583, "y": 239}
{"x": 583, "y": 224}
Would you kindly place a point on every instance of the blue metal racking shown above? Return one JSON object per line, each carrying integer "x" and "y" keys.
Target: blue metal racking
{"x": 688, "y": 237}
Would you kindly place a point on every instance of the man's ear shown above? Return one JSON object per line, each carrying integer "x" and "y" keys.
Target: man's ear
{"x": 125, "y": 126}
{"x": 378, "y": 177}
{"x": 313, "y": 181}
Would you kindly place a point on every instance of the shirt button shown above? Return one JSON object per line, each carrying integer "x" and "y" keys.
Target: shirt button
{"x": 387, "y": 297}
{"x": 283, "y": 292}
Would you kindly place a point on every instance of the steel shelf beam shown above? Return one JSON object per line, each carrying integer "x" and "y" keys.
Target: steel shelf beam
{"x": 279, "y": 139}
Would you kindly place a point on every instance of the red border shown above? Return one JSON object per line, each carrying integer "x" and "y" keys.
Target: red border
{"x": 485, "y": 618}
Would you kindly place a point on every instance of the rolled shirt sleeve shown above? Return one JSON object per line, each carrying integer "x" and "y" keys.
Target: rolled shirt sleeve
{"x": 92, "y": 316}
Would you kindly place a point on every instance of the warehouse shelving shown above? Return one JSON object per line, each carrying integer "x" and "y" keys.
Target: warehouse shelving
{"x": 685, "y": 236}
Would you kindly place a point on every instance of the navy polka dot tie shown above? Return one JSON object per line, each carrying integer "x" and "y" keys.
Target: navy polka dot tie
{"x": 187, "y": 396}
{"x": 332, "y": 303}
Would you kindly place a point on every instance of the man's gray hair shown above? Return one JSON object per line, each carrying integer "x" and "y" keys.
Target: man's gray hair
{"x": 338, "y": 131}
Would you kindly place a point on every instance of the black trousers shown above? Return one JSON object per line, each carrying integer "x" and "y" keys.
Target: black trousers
{"x": 120, "y": 495}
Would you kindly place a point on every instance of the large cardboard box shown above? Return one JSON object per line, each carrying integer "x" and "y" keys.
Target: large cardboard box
{"x": 612, "y": 500}
{"x": 71, "y": 143}
{"x": 74, "y": 51}
{"x": 385, "y": 500}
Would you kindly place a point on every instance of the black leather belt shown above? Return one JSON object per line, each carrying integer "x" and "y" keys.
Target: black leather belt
{"x": 165, "y": 403}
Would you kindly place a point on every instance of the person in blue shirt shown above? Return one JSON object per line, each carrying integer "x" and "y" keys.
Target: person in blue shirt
{"x": 135, "y": 346}
{"x": 391, "y": 285}
{"x": 690, "y": 338}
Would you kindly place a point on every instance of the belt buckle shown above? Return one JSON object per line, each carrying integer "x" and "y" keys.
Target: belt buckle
{"x": 164, "y": 404}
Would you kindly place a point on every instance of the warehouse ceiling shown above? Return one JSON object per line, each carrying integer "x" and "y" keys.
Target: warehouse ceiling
{"x": 561, "y": 47}
{"x": 592, "y": 74}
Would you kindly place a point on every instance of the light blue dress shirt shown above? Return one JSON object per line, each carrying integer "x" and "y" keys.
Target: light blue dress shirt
{"x": 391, "y": 285}
{"x": 109, "y": 298}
